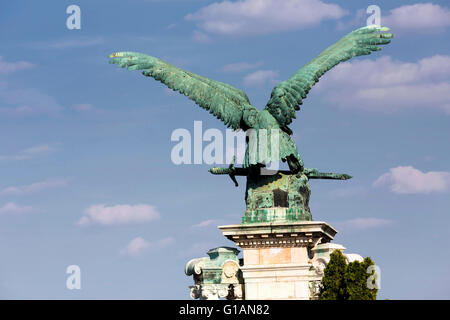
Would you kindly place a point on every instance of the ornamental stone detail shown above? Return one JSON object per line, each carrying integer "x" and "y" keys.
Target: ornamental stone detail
{"x": 217, "y": 276}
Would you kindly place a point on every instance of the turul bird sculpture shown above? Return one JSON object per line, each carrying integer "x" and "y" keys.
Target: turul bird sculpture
{"x": 283, "y": 194}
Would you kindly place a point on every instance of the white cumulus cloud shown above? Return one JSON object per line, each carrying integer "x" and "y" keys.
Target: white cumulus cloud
{"x": 118, "y": 214}
{"x": 256, "y": 17}
{"x": 386, "y": 84}
{"x": 139, "y": 245}
{"x": 135, "y": 247}
{"x": 408, "y": 179}
{"x": 417, "y": 17}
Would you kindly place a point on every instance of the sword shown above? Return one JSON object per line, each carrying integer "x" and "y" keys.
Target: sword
{"x": 311, "y": 173}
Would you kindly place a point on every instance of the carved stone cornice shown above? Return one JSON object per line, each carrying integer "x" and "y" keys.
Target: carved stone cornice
{"x": 297, "y": 234}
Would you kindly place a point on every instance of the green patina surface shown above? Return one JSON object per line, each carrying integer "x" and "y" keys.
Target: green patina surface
{"x": 272, "y": 215}
{"x": 281, "y": 190}
{"x": 289, "y": 190}
{"x": 212, "y": 269}
{"x": 212, "y": 266}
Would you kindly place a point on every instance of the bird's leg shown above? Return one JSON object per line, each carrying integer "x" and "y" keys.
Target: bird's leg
{"x": 294, "y": 164}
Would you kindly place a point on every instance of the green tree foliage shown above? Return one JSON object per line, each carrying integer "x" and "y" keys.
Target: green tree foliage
{"x": 344, "y": 281}
{"x": 333, "y": 279}
{"x": 356, "y": 278}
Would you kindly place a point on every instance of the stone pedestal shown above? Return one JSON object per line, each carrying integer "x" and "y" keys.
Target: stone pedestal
{"x": 280, "y": 260}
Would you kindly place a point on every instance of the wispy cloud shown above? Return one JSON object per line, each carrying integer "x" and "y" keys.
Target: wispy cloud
{"x": 408, "y": 179}
{"x": 258, "y": 17}
{"x": 260, "y": 78}
{"x": 26, "y": 101}
{"x": 197, "y": 249}
{"x": 23, "y": 101}
{"x": 30, "y": 152}
{"x": 81, "y": 42}
{"x": 82, "y": 107}
{"x": 87, "y": 108}
{"x": 34, "y": 187}
{"x": 38, "y": 149}
{"x": 347, "y": 192}
{"x": 240, "y": 66}
{"x": 11, "y": 67}
{"x": 357, "y": 21}
{"x": 139, "y": 245}
{"x": 118, "y": 214}
{"x": 201, "y": 37}
{"x": 385, "y": 84}
{"x": 205, "y": 223}
{"x": 12, "y": 208}
{"x": 363, "y": 223}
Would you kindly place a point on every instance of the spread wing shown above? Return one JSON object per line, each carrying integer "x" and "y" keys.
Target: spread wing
{"x": 288, "y": 95}
{"x": 222, "y": 100}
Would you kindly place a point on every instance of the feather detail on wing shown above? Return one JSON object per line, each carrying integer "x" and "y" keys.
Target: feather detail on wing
{"x": 222, "y": 100}
{"x": 288, "y": 95}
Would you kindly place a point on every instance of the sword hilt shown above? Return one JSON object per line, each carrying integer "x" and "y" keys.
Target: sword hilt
{"x": 231, "y": 171}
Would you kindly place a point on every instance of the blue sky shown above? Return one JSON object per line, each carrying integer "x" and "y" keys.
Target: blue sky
{"x": 82, "y": 138}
